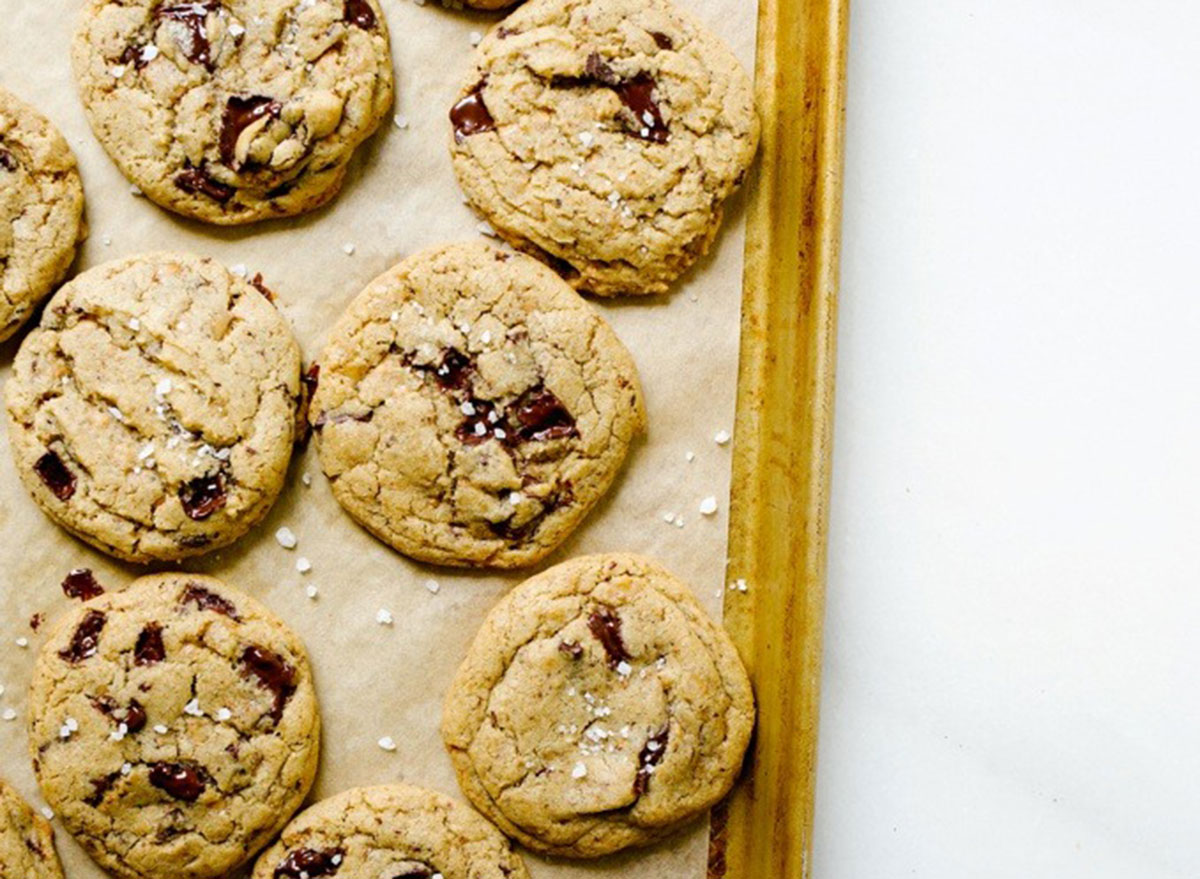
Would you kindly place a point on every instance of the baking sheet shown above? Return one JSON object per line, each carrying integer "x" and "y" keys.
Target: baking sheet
{"x": 375, "y": 680}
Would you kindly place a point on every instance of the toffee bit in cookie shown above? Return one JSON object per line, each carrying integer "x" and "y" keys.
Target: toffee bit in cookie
{"x": 203, "y": 496}
{"x": 470, "y": 115}
{"x": 605, "y": 627}
{"x": 273, "y": 673}
{"x": 197, "y": 181}
{"x": 194, "y": 17}
{"x": 637, "y": 95}
{"x": 360, "y": 14}
{"x": 55, "y": 475}
{"x": 542, "y": 416}
{"x": 307, "y": 863}
{"x": 207, "y": 600}
{"x": 81, "y": 583}
{"x": 573, "y": 649}
{"x": 7, "y": 160}
{"x": 240, "y": 113}
{"x": 149, "y": 647}
{"x": 86, "y": 639}
{"x": 649, "y": 757}
{"x": 183, "y": 781}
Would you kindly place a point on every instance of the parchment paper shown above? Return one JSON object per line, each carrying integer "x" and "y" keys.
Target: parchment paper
{"x": 375, "y": 680}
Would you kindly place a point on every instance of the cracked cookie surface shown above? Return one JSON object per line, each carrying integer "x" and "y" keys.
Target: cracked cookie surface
{"x": 603, "y": 136}
{"x": 173, "y": 727}
{"x": 41, "y": 210}
{"x": 471, "y": 408}
{"x": 390, "y": 831}
{"x": 153, "y": 411}
{"x": 598, "y": 708}
{"x": 26, "y": 840}
{"x": 232, "y": 111}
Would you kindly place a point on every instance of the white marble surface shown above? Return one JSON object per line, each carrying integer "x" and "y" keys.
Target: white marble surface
{"x": 1012, "y": 678}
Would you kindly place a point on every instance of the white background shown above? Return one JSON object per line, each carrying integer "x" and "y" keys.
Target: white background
{"x": 1012, "y": 666}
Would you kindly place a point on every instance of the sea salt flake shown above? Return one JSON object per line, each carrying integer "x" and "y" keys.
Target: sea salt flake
{"x": 708, "y": 506}
{"x": 223, "y": 714}
{"x": 303, "y": 565}
{"x": 193, "y": 708}
{"x": 286, "y": 538}
{"x": 580, "y": 771}
{"x": 9, "y": 714}
{"x": 721, "y": 437}
{"x": 383, "y": 616}
{"x": 433, "y": 586}
{"x": 387, "y": 743}
{"x": 401, "y": 121}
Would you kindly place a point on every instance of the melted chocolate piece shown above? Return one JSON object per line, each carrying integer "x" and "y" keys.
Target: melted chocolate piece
{"x": 637, "y": 95}
{"x": 310, "y": 378}
{"x": 311, "y": 863}
{"x": 86, "y": 639}
{"x": 197, "y": 182}
{"x": 35, "y": 621}
{"x": 470, "y": 115}
{"x": 183, "y": 781}
{"x": 360, "y": 14}
{"x": 541, "y": 416}
{"x": 54, "y": 473}
{"x": 649, "y": 757}
{"x": 480, "y": 426}
{"x": 134, "y": 717}
{"x": 662, "y": 40}
{"x": 149, "y": 647}
{"x": 81, "y": 584}
{"x": 7, "y": 160}
{"x": 194, "y": 16}
{"x": 203, "y": 496}
{"x": 194, "y": 540}
{"x": 102, "y": 786}
{"x": 273, "y": 673}
{"x": 206, "y": 600}
{"x": 573, "y": 649}
{"x": 599, "y": 70}
{"x": 240, "y": 114}
{"x": 605, "y": 627}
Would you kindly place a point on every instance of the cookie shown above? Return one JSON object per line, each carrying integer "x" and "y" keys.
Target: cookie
{"x": 26, "y": 841}
{"x": 233, "y": 111}
{"x": 603, "y": 137}
{"x": 173, "y": 727}
{"x": 598, "y": 708}
{"x": 153, "y": 411}
{"x": 471, "y": 408}
{"x": 41, "y": 210}
{"x": 392, "y": 832}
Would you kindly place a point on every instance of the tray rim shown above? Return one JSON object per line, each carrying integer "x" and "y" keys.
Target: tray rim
{"x": 783, "y": 438}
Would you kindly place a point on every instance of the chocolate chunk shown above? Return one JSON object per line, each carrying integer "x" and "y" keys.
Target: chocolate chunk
{"x": 7, "y": 160}
{"x": 541, "y": 416}
{"x": 662, "y": 40}
{"x": 183, "y": 781}
{"x": 35, "y": 621}
{"x": 54, "y": 473}
{"x": 134, "y": 716}
{"x": 482, "y": 424}
{"x": 81, "y": 584}
{"x": 197, "y": 182}
{"x": 149, "y": 647}
{"x": 310, "y": 378}
{"x": 649, "y": 757}
{"x": 194, "y": 540}
{"x": 206, "y": 600}
{"x": 470, "y": 115}
{"x": 307, "y": 863}
{"x": 573, "y": 649}
{"x": 360, "y": 14}
{"x": 599, "y": 70}
{"x": 203, "y": 496}
{"x": 637, "y": 95}
{"x": 240, "y": 113}
{"x": 86, "y": 639}
{"x": 194, "y": 16}
{"x": 605, "y": 627}
{"x": 257, "y": 283}
{"x": 101, "y": 787}
{"x": 273, "y": 673}
{"x": 455, "y": 370}
{"x": 416, "y": 871}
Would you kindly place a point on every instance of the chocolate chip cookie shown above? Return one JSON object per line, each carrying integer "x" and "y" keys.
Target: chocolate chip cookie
{"x": 471, "y": 408}
{"x": 26, "y": 841}
{"x": 232, "y": 111}
{"x": 392, "y": 832}
{"x": 173, "y": 727}
{"x": 153, "y": 411}
{"x": 603, "y": 136}
{"x": 41, "y": 210}
{"x": 598, "y": 708}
